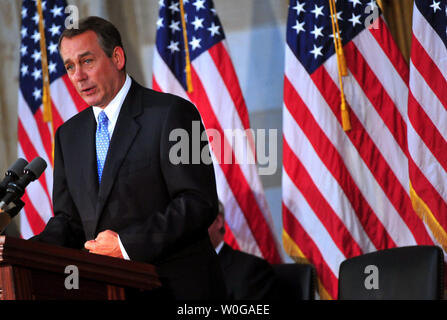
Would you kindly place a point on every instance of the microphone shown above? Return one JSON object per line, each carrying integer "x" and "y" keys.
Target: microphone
{"x": 13, "y": 173}
{"x": 16, "y": 189}
{"x": 11, "y": 204}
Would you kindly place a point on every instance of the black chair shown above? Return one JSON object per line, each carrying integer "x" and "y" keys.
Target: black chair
{"x": 295, "y": 281}
{"x": 407, "y": 273}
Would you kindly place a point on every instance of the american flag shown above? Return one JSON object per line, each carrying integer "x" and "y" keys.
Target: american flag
{"x": 427, "y": 115}
{"x": 218, "y": 97}
{"x": 34, "y": 134}
{"x": 345, "y": 193}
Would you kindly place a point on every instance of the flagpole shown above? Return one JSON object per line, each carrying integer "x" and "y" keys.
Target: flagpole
{"x": 341, "y": 63}
{"x": 187, "y": 57}
{"x": 46, "y": 97}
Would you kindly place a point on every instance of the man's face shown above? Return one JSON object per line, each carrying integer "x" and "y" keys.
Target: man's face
{"x": 96, "y": 77}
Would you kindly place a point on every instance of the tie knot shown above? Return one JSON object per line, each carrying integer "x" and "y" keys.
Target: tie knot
{"x": 102, "y": 118}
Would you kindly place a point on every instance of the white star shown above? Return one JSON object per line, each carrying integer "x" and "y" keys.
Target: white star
{"x": 55, "y": 29}
{"x": 56, "y": 11}
{"x": 332, "y": 35}
{"x": 185, "y": 1}
{"x": 174, "y": 26}
{"x": 44, "y": 5}
{"x": 24, "y": 70}
{"x": 36, "y": 36}
{"x": 213, "y": 11}
{"x": 339, "y": 15}
{"x": 318, "y": 11}
{"x": 174, "y": 7}
{"x": 299, "y": 26}
{"x": 299, "y": 8}
{"x": 161, "y": 3}
{"x": 214, "y": 29}
{"x": 36, "y": 56}
{"x": 23, "y": 50}
{"x": 159, "y": 23}
{"x": 24, "y": 32}
{"x": 37, "y": 93}
{"x": 24, "y": 13}
{"x": 52, "y": 47}
{"x": 52, "y": 67}
{"x": 36, "y": 18}
{"x": 316, "y": 51}
{"x": 372, "y": 4}
{"x": 173, "y": 46}
{"x": 197, "y": 23}
{"x": 317, "y": 32}
{"x": 355, "y": 20}
{"x": 355, "y": 2}
{"x": 435, "y": 6}
{"x": 199, "y": 4}
{"x": 37, "y": 74}
{"x": 195, "y": 43}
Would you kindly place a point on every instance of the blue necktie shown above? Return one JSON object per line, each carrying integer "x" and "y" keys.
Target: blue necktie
{"x": 102, "y": 142}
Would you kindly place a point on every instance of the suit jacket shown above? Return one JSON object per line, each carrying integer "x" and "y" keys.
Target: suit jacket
{"x": 247, "y": 277}
{"x": 160, "y": 210}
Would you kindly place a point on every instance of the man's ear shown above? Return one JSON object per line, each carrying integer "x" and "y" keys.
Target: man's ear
{"x": 119, "y": 58}
{"x": 220, "y": 220}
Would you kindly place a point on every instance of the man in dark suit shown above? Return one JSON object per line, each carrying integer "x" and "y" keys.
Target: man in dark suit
{"x": 116, "y": 191}
{"x": 247, "y": 277}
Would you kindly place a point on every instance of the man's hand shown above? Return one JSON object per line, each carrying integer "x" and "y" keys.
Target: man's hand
{"x": 106, "y": 243}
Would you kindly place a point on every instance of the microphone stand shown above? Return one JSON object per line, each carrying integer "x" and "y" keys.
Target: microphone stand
{"x": 11, "y": 211}
{"x": 5, "y": 219}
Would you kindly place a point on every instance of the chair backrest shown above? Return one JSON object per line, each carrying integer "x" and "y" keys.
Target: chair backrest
{"x": 295, "y": 281}
{"x": 414, "y": 272}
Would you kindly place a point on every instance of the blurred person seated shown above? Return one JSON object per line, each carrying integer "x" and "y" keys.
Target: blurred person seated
{"x": 247, "y": 277}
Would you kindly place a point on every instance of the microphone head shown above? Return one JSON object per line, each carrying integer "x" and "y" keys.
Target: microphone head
{"x": 17, "y": 168}
{"x": 36, "y": 167}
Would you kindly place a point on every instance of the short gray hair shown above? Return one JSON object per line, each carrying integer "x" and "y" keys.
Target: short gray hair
{"x": 108, "y": 35}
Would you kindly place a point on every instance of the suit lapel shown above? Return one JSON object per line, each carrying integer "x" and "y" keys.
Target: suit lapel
{"x": 225, "y": 255}
{"x": 124, "y": 134}
{"x": 85, "y": 159}
{"x": 87, "y": 150}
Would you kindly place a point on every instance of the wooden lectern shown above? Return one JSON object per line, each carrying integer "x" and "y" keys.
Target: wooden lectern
{"x": 32, "y": 270}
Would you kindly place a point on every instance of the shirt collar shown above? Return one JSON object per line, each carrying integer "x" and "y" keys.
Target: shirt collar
{"x": 219, "y": 247}
{"x": 112, "y": 110}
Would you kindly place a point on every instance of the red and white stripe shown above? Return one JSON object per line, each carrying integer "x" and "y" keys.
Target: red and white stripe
{"x": 219, "y": 99}
{"x": 35, "y": 139}
{"x": 347, "y": 193}
{"x": 427, "y": 118}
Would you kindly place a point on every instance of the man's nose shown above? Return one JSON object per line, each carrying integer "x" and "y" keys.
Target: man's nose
{"x": 79, "y": 75}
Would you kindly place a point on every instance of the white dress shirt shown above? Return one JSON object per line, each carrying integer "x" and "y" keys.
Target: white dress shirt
{"x": 219, "y": 247}
{"x": 112, "y": 111}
